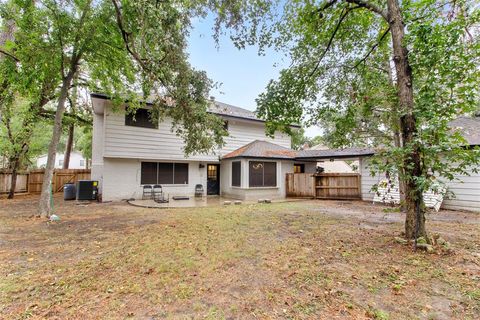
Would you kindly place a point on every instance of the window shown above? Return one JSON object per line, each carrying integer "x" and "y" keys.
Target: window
{"x": 164, "y": 173}
{"x": 299, "y": 168}
{"x": 149, "y": 173}
{"x": 236, "y": 174}
{"x": 141, "y": 118}
{"x": 180, "y": 175}
{"x": 82, "y": 163}
{"x": 262, "y": 174}
{"x": 212, "y": 172}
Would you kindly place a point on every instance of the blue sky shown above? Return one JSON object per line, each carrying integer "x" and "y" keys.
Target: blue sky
{"x": 243, "y": 74}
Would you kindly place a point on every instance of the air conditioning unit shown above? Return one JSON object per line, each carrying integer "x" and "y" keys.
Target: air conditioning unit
{"x": 87, "y": 190}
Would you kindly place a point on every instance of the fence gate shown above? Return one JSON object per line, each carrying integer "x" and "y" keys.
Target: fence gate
{"x": 59, "y": 179}
{"x": 340, "y": 186}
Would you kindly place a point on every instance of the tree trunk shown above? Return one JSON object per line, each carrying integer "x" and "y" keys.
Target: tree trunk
{"x": 13, "y": 181}
{"x": 44, "y": 204}
{"x": 397, "y": 139}
{"x": 68, "y": 149}
{"x": 415, "y": 218}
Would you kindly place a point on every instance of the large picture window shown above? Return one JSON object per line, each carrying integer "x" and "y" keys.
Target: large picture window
{"x": 141, "y": 118}
{"x": 236, "y": 173}
{"x": 262, "y": 174}
{"x": 164, "y": 173}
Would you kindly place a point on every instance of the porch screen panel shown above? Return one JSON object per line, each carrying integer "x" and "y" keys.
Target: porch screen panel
{"x": 236, "y": 173}
{"x": 165, "y": 173}
{"x": 255, "y": 174}
{"x": 148, "y": 173}
{"x": 180, "y": 173}
{"x": 269, "y": 174}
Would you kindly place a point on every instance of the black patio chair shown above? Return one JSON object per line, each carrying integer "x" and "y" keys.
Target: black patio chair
{"x": 157, "y": 192}
{"x": 199, "y": 191}
{"x": 147, "y": 192}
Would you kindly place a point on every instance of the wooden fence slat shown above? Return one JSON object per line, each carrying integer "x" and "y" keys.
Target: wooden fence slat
{"x": 324, "y": 185}
{"x": 339, "y": 186}
{"x": 32, "y": 181}
{"x": 6, "y": 180}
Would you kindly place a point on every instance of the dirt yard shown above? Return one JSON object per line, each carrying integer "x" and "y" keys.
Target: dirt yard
{"x": 299, "y": 260}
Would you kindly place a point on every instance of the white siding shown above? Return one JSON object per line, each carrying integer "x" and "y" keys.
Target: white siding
{"x": 467, "y": 193}
{"x": 97, "y": 149}
{"x": 467, "y": 190}
{"x": 121, "y": 180}
{"x": 123, "y": 141}
{"x": 367, "y": 180}
{"x": 77, "y": 161}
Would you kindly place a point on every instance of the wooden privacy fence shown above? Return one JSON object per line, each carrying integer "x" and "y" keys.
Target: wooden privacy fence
{"x": 60, "y": 178}
{"x": 6, "y": 180}
{"x": 300, "y": 185}
{"x": 340, "y": 186}
{"x": 31, "y": 182}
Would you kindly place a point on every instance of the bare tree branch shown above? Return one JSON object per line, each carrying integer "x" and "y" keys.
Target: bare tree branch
{"x": 126, "y": 36}
{"x": 344, "y": 13}
{"x": 370, "y": 6}
{"x": 8, "y": 54}
{"x": 372, "y": 48}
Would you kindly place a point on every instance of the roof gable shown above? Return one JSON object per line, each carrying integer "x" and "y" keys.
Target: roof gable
{"x": 261, "y": 149}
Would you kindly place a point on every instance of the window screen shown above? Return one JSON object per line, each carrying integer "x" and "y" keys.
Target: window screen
{"x": 236, "y": 173}
{"x": 262, "y": 174}
{"x": 270, "y": 174}
{"x": 149, "y": 173}
{"x": 141, "y": 118}
{"x": 180, "y": 173}
{"x": 164, "y": 173}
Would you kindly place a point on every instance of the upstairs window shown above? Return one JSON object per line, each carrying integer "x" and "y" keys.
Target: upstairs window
{"x": 262, "y": 174}
{"x": 164, "y": 173}
{"x": 236, "y": 174}
{"x": 141, "y": 118}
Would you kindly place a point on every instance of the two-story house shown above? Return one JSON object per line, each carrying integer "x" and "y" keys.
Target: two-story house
{"x": 132, "y": 151}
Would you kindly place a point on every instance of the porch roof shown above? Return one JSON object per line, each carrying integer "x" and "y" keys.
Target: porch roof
{"x": 267, "y": 150}
{"x": 262, "y": 149}
{"x": 334, "y": 153}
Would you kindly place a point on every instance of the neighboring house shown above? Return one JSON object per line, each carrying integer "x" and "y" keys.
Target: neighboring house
{"x": 335, "y": 166}
{"x": 128, "y": 154}
{"x": 466, "y": 188}
{"x": 77, "y": 161}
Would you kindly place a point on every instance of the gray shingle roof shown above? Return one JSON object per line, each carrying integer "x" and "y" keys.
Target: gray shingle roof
{"x": 469, "y": 127}
{"x": 225, "y": 109}
{"x": 262, "y": 149}
{"x": 335, "y": 153}
{"x": 215, "y": 107}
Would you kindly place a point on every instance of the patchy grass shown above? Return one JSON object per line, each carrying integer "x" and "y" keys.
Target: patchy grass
{"x": 301, "y": 260}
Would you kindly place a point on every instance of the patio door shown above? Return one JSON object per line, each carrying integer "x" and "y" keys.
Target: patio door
{"x": 213, "y": 179}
